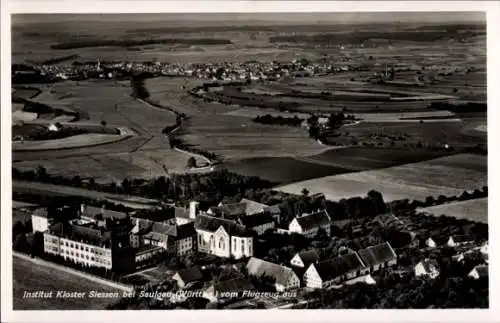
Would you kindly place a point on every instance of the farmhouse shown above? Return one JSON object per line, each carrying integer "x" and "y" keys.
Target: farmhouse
{"x": 304, "y": 258}
{"x": 259, "y": 223}
{"x": 309, "y": 224}
{"x": 378, "y": 256}
{"x": 427, "y": 268}
{"x": 455, "y": 241}
{"x": 333, "y": 271}
{"x": 284, "y": 277}
{"x": 480, "y": 271}
{"x": 187, "y": 277}
{"x": 222, "y": 237}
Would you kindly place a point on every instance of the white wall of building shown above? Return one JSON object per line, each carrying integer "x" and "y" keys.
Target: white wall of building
{"x": 79, "y": 252}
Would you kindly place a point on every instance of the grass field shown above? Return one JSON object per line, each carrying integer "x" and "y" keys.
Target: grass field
{"x": 238, "y": 137}
{"x": 331, "y": 162}
{"x": 474, "y": 210}
{"x": 433, "y": 133}
{"x": 29, "y": 277}
{"x": 448, "y": 176}
{"x": 147, "y": 154}
{"x": 77, "y": 141}
{"x": 60, "y": 190}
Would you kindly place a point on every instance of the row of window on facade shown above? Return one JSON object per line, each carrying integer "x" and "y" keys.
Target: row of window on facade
{"x": 68, "y": 253}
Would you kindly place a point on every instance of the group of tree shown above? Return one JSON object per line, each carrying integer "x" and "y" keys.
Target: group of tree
{"x": 139, "y": 90}
{"x": 278, "y": 120}
{"x": 459, "y": 108}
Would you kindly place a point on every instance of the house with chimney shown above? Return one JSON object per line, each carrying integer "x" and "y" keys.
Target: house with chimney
{"x": 223, "y": 237}
{"x": 309, "y": 224}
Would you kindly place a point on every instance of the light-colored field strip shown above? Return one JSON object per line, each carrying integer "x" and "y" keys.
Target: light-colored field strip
{"x": 476, "y": 210}
{"x": 442, "y": 176}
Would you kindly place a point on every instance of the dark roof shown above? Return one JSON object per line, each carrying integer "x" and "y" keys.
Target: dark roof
{"x": 79, "y": 233}
{"x": 313, "y": 220}
{"x": 230, "y": 210}
{"x": 181, "y": 212}
{"x": 251, "y": 221}
{"x": 309, "y": 256}
{"x": 41, "y": 212}
{"x": 333, "y": 268}
{"x": 482, "y": 270}
{"x": 258, "y": 267}
{"x": 253, "y": 207}
{"x": 159, "y": 228}
{"x": 234, "y": 285}
{"x": 463, "y": 238}
{"x": 190, "y": 274}
{"x": 274, "y": 209}
{"x": 378, "y": 254}
{"x": 212, "y": 224}
{"x": 92, "y": 212}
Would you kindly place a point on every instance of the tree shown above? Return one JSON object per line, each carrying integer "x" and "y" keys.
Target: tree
{"x": 191, "y": 163}
{"x": 21, "y": 243}
{"x": 37, "y": 247}
{"x": 41, "y": 173}
{"x": 17, "y": 229}
{"x": 305, "y": 192}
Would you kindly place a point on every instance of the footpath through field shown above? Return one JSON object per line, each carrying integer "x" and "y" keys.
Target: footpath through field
{"x": 41, "y": 262}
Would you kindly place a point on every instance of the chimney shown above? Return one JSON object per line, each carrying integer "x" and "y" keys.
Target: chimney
{"x": 193, "y": 209}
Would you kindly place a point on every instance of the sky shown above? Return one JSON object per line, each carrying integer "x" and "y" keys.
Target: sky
{"x": 268, "y": 18}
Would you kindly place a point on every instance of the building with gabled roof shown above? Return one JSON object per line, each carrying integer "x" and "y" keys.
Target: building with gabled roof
{"x": 304, "y": 258}
{"x": 309, "y": 224}
{"x": 378, "y": 256}
{"x": 335, "y": 271}
{"x": 223, "y": 237}
{"x": 284, "y": 277}
{"x": 428, "y": 268}
{"x": 480, "y": 271}
{"x": 175, "y": 239}
{"x": 459, "y": 240}
{"x": 258, "y": 222}
{"x": 187, "y": 277}
{"x": 228, "y": 211}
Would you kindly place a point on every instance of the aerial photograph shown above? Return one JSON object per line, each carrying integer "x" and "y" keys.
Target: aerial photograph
{"x": 249, "y": 161}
